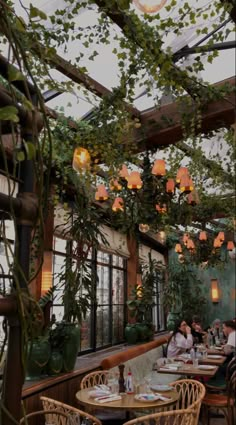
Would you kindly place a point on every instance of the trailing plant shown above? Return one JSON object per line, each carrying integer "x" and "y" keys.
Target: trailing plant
{"x": 77, "y": 276}
{"x": 143, "y": 295}
{"x": 182, "y": 292}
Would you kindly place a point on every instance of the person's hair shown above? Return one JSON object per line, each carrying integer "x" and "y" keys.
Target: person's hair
{"x": 230, "y": 324}
{"x": 196, "y": 319}
{"x": 216, "y": 321}
{"x": 176, "y": 329}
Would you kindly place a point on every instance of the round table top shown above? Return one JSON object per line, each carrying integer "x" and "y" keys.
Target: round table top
{"x": 128, "y": 401}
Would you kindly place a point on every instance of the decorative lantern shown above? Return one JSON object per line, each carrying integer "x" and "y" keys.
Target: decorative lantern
{"x": 46, "y": 283}
{"x": 190, "y": 245}
{"x": 162, "y": 209}
{"x": 149, "y": 6}
{"x": 193, "y": 198}
{"x": 115, "y": 185}
{"x": 101, "y": 194}
{"x": 159, "y": 168}
{"x": 134, "y": 180}
{"x": 124, "y": 173}
{"x": 180, "y": 173}
{"x": 215, "y": 291}
{"x": 221, "y": 236}
{"x": 118, "y": 205}
{"x": 230, "y": 246}
{"x": 185, "y": 239}
{"x": 170, "y": 186}
{"x": 81, "y": 159}
{"x": 203, "y": 236}
{"x": 178, "y": 248}
{"x": 186, "y": 184}
{"x": 217, "y": 243}
{"x": 144, "y": 228}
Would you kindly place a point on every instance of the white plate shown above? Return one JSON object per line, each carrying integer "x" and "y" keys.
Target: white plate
{"x": 147, "y": 397}
{"x": 214, "y": 356}
{"x": 206, "y": 367}
{"x": 161, "y": 388}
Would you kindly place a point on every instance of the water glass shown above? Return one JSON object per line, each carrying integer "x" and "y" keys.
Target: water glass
{"x": 195, "y": 363}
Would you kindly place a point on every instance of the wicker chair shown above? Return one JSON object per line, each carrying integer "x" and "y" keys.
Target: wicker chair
{"x": 219, "y": 382}
{"x": 94, "y": 378}
{"x": 191, "y": 394}
{"x": 223, "y": 402}
{"x": 173, "y": 417}
{"x": 54, "y": 417}
{"x": 99, "y": 377}
{"x": 75, "y": 414}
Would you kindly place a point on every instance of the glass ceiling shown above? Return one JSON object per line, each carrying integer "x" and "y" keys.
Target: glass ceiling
{"x": 104, "y": 68}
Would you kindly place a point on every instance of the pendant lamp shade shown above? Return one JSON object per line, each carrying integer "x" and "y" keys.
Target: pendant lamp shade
{"x": 134, "y": 180}
{"x": 149, "y": 6}
{"x": 159, "y": 168}
{"x": 101, "y": 193}
{"x": 118, "y": 205}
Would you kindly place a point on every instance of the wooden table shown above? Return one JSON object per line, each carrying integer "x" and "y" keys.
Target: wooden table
{"x": 214, "y": 362}
{"x": 214, "y": 351}
{"x": 189, "y": 370}
{"x": 127, "y": 401}
{"x": 209, "y": 361}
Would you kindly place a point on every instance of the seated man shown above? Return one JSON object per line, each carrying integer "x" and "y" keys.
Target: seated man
{"x": 229, "y": 329}
{"x": 199, "y": 335}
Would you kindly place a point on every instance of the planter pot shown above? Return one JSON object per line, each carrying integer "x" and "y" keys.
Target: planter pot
{"x": 71, "y": 346}
{"x": 55, "y": 363}
{"x": 37, "y": 358}
{"x": 143, "y": 332}
{"x": 131, "y": 333}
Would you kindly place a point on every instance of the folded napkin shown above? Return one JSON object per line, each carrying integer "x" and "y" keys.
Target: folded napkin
{"x": 162, "y": 397}
{"x": 105, "y": 399}
{"x": 98, "y": 393}
{"x": 166, "y": 367}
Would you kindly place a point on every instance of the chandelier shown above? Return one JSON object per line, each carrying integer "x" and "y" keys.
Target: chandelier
{"x": 147, "y": 198}
{"x": 149, "y": 6}
{"x": 204, "y": 248}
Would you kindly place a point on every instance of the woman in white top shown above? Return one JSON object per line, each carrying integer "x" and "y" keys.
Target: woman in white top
{"x": 181, "y": 339}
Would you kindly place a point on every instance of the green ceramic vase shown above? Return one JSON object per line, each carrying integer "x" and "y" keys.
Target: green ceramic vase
{"x": 55, "y": 363}
{"x": 71, "y": 346}
{"x": 38, "y": 355}
{"x": 131, "y": 333}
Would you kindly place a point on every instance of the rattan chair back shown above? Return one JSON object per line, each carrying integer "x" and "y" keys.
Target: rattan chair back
{"x": 78, "y": 415}
{"x": 173, "y": 417}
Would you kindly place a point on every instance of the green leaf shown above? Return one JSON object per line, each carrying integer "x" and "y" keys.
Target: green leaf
{"x": 35, "y": 12}
{"x": 20, "y": 156}
{"x": 14, "y": 74}
{"x": 20, "y": 24}
{"x": 9, "y": 113}
{"x": 30, "y": 150}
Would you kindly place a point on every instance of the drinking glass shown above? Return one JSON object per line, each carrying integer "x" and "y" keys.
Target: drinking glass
{"x": 111, "y": 381}
{"x": 195, "y": 363}
{"x": 147, "y": 380}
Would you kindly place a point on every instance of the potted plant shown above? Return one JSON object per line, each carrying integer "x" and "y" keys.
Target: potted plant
{"x": 142, "y": 302}
{"x": 77, "y": 277}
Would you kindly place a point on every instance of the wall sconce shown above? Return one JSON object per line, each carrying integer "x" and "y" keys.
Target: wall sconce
{"x": 215, "y": 291}
{"x": 46, "y": 282}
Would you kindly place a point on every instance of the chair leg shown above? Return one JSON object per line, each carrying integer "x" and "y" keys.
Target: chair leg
{"x": 205, "y": 415}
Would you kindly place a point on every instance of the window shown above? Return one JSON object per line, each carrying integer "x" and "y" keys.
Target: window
{"x": 104, "y": 322}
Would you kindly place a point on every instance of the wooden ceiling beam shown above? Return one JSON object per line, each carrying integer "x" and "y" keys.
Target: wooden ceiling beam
{"x": 128, "y": 25}
{"x": 162, "y": 126}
